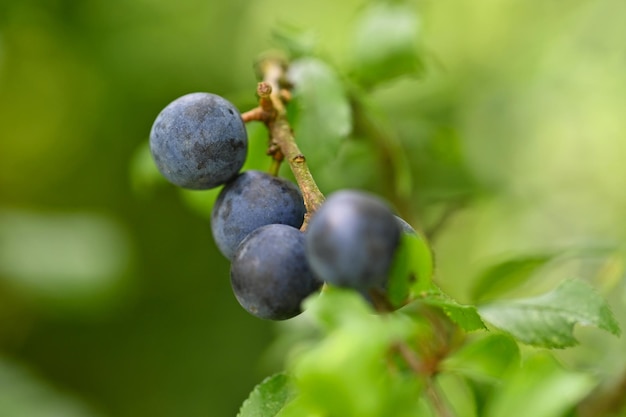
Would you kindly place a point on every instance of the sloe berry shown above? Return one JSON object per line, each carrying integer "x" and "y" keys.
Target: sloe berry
{"x": 199, "y": 141}
{"x": 351, "y": 240}
{"x": 251, "y": 200}
{"x": 270, "y": 275}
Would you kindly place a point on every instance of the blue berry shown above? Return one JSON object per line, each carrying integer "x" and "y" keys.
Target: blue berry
{"x": 199, "y": 141}
{"x": 270, "y": 275}
{"x": 351, "y": 240}
{"x": 251, "y": 200}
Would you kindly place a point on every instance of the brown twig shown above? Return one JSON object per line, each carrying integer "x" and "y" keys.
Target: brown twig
{"x": 411, "y": 359}
{"x": 254, "y": 115}
{"x": 283, "y": 146}
{"x": 606, "y": 400}
{"x": 438, "y": 403}
{"x": 281, "y": 134}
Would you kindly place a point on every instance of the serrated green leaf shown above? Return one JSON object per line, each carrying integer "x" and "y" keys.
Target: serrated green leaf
{"x": 548, "y": 320}
{"x": 385, "y": 43}
{"x": 486, "y": 359}
{"x": 298, "y": 408}
{"x": 541, "y": 388}
{"x": 507, "y": 275}
{"x": 322, "y": 116}
{"x": 466, "y": 316}
{"x": 412, "y": 268}
{"x": 268, "y": 398}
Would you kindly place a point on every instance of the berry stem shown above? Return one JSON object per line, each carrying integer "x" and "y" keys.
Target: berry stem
{"x": 281, "y": 134}
{"x": 275, "y": 167}
{"x": 435, "y": 396}
{"x": 256, "y": 114}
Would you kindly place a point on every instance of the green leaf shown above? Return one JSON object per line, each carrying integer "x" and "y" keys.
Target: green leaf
{"x": 298, "y": 42}
{"x": 268, "y": 398}
{"x": 372, "y": 124}
{"x": 505, "y": 276}
{"x": 354, "y": 160}
{"x": 384, "y": 45}
{"x": 541, "y": 388}
{"x": 322, "y": 116}
{"x": 466, "y": 316}
{"x": 486, "y": 359}
{"x": 335, "y": 306}
{"x": 298, "y": 408}
{"x": 548, "y": 320}
{"x": 412, "y": 268}
{"x": 344, "y": 374}
{"x": 459, "y": 395}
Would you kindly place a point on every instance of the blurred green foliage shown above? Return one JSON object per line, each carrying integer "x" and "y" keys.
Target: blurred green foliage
{"x": 113, "y": 298}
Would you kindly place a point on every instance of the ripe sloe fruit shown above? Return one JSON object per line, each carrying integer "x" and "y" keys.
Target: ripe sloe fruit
{"x": 351, "y": 240}
{"x": 270, "y": 275}
{"x": 199, "y": 141}
{"x": 251, "y": 200}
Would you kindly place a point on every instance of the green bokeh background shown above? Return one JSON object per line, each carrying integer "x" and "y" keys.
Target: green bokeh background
{"x": 115, "y": 302}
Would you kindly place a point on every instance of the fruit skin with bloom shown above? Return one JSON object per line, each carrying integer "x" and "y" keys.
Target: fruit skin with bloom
{"x": 251, "y": 200}
{"x": 270, "y": 275}
{"x": 199, "y": 141}
{"x": 351, "y": 240}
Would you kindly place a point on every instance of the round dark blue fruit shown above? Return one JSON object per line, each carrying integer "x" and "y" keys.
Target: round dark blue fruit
{"x": 351, "y": 240}
{"x": 251, "y": 200}
{"x": 199, "y": 141}
{"x": 270, "y": 275}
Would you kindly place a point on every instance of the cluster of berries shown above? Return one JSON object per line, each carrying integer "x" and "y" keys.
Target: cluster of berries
{"x": 199, "y": 141}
